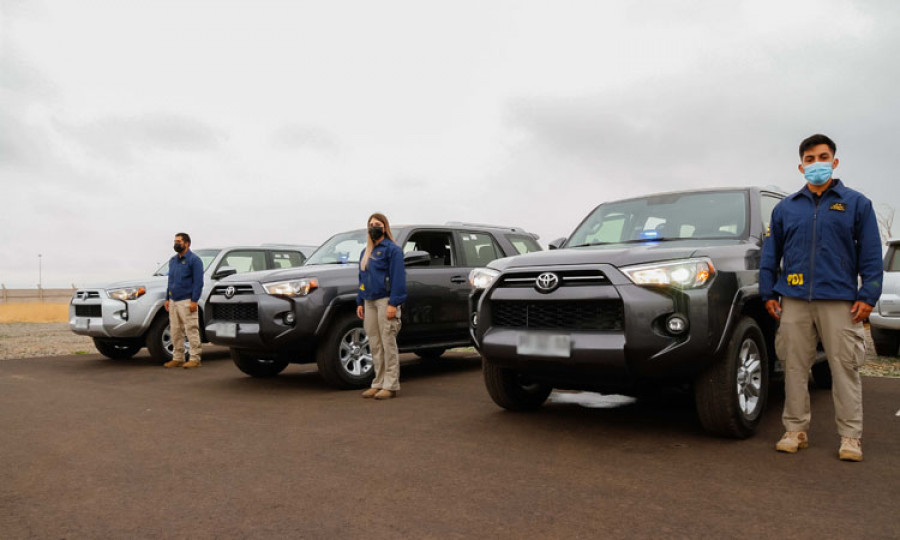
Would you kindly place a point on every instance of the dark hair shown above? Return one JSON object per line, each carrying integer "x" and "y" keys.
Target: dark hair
{"x": 185, "y": 237}
{"x": 816, "y": 140}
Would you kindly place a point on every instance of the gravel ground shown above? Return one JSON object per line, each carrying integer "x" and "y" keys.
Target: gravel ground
{"x": 29, "y": 340}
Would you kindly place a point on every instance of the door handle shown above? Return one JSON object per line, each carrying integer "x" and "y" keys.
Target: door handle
{"x": 459, "y": 279}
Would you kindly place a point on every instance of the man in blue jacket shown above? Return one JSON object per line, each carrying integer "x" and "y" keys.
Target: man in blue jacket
{"x": 822, "y": 240}
{"x": 182, "y": 295}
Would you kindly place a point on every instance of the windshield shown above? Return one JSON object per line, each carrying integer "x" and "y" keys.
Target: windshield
{"x": 206, "y": 255}
{"x": 340, "y": 249}
{"x": 721, "y": 214}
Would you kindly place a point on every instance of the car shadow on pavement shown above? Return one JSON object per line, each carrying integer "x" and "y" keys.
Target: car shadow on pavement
{"x": 306, "y": 376}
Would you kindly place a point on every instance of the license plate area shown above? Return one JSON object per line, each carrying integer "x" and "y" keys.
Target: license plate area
{"x": 552, "y": 345}
{"x": 226, "y": 330}
{"x": 82, "y": 323}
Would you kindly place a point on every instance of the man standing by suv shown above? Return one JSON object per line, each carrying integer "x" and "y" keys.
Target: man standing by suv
{"x": 185, "y": 287}
{"x": 822, "y": 239}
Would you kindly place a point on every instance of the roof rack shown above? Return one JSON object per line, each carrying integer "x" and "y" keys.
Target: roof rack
{"x": 483, "y": 226}
{"x": 519, "y": 230}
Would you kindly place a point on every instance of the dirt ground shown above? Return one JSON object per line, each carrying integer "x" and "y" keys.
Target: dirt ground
{"x": 34, "y": 312}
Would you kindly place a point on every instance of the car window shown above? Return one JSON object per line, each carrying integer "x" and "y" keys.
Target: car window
{"x": 438, "y": 244}
{"x": 245, "y": 260}
{"x": 478, "y": 249}
{"x": 767, "y": 205}
{"x": 523, "y": 244}
{"x": 287, "y": 259}
{"x": 894, "y": 260}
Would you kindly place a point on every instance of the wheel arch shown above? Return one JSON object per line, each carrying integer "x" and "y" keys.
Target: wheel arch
{"x": 340, "y": 305}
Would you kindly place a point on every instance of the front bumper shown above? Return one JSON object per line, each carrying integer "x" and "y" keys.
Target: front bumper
{"x": 880, "y": 321}
{"x": 92, "y": 313}
{"x": 255, "y": 320}
{"x": 638, "y": 348}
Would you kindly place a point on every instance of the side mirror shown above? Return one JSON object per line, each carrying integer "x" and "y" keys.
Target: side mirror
{"x": 417, "y": 258}
{"x": 558, "y": 243}
{"x": 224, "y": 272}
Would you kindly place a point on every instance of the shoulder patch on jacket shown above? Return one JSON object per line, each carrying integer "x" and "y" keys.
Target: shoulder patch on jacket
{"x": 838, "y": 206}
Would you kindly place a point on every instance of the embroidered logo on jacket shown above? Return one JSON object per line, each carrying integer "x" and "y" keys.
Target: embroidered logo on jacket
{"x": 795, "y": 279}
{"x": 838, "y": 206}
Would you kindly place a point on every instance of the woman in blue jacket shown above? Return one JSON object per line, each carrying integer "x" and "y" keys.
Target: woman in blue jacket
{"x": 382, "y": 291}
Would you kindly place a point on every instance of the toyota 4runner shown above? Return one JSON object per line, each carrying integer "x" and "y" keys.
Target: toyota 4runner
{"x": 123, "y": 317}
{"x": 308, "y": 314}
{"x": 646, "y": 292}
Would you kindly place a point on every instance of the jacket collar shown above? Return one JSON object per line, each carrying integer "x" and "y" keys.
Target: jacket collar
{"x": 837, "y": 187}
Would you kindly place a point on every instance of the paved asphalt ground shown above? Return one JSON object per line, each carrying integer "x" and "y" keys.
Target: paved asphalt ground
{"x": 93, "y": 448}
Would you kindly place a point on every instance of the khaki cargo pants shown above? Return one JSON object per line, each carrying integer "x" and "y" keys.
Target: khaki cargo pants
{"x": 382, "y": 334}
{"x": 802, "y": 325}
{"x": 181, "y": 322}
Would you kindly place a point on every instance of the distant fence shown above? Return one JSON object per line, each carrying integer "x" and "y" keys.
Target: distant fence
{"x": 18, "y": 296}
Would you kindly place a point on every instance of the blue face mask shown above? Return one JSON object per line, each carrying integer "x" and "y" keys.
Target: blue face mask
{"x": 818, "y": 173}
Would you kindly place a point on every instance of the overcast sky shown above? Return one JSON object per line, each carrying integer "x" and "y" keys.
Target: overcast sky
{"x": 124, "y": 122}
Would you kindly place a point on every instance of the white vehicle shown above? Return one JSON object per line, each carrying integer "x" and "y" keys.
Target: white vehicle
{"x": 884, "y": 321}
{"x": 125, "y": 316}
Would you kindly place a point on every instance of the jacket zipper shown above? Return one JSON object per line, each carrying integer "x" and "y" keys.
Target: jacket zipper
{"x": 812, "y": 255}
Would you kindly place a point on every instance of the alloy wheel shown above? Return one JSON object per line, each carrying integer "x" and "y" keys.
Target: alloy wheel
{"x": 354, "y": 353}
{"x": 749, "y": 377}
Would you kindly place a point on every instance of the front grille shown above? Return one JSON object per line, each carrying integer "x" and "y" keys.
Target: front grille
{"x": 89, "y": 310}
{"x": 236, "y": 312}
{"x": 567, "y": 278}
{"x": 580, "y": 315}
{"x": 238, "y": 289}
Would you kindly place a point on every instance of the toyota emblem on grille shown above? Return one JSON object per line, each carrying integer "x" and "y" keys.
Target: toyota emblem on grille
{"x": 546, "y": 282}
{"x": 229, "y": 292}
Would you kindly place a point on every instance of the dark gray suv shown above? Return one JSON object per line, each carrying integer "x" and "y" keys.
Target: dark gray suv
{"x": 308, "y": 314}
{"x": 650, "y": 291}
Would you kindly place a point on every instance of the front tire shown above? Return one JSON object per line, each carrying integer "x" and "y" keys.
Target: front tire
{"x": 344, "y": 356}
{"x": 512, "y": 390}
{"x": 731, "y": 394}
{"x": 255, "y": 366}
{"x": 887, "y": 342}
{"x": 116, "y": 350}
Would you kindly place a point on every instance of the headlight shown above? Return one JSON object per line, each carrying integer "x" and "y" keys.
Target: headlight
{"x": 686, "y": 274}
{"x": 296, "y": 287}
{"x": 481, "y": 278}
{"x": 127, "y": 293}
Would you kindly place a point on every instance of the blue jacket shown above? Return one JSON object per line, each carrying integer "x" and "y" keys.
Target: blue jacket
{"x": 817, "y": 252}
{"x": 385, "y": 276}
{"x": 185, "y": 277}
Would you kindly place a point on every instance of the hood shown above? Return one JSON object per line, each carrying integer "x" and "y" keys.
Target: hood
{"x": 317, "y": 270}
{"x": 150, "y": 282}
{"x": 617, "y": 255}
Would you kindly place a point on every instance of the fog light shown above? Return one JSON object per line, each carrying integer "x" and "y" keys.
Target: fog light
{"x": 124, "y": 314}
{"x": 289, "y": 318}
{"x": 676, "y": 324}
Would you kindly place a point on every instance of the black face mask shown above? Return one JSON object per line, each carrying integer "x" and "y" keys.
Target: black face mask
{"x": 376, "y": 232}
{"x": 178, "y": 248}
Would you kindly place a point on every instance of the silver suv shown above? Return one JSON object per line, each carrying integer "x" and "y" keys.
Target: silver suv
{"x": 884, "y": 320}
{"x": 125, "y": 316}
